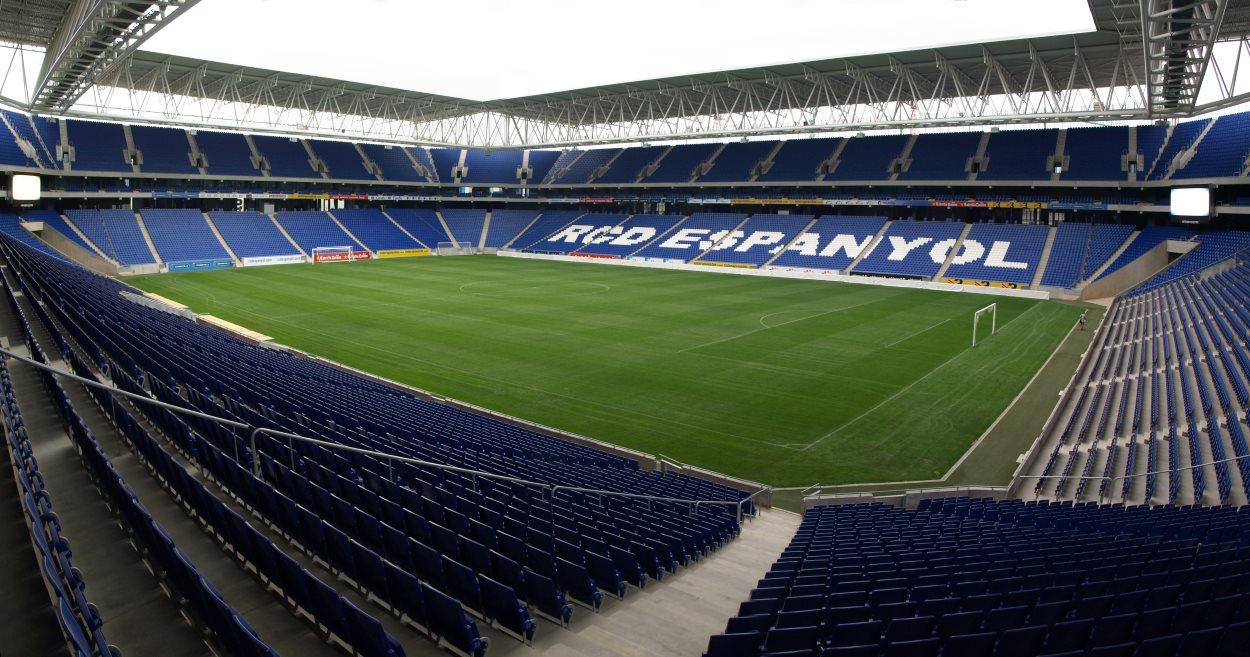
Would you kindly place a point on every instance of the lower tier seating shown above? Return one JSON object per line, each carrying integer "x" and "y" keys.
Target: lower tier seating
{"x": 977, "y": 578}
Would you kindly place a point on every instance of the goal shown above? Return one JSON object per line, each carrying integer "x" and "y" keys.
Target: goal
{"x": 333, "y": 254}
{"x": 992, "y": 311}
{"x": 450, "y": 248}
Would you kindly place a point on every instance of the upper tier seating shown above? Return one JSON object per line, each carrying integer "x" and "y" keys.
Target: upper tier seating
{"x": 422, "y": 156}
{"x": 799, "y": 159}
{"x": 1183, "y": 136}
{"x": 372, "y": 227}
{"x": 465, "y": 224}
{"x": 287, "y": 156}
{"x": 735, "y": 161}
{"x": 98, "y": 146}
{"x": 116, "y": 232}
{"x": 629, "y": 164}
{"x": 977, "y": 578}
{"x": 678, "y": 165}
{"x": 164, "y": 150}
{"x": 540, "y": 163}
{"x": 548, "y": 222}
{"x": 831, "y": 243}
{"x": 422, "y": 224}
{"x": 1080, "y": 249}
{"x": 492, "y": 166}
{"x": 1095, "y": 153}
{"x": 10, "y": 152}
{"x": 55, "y": 221}
{"x": 1177, "y": 345}
{"x": 1222, "y": 152}
{"x": 225, "y": 153}
{"x": 342, "y": 159}
{"x": 868, "y": 158}
{"x": 941, "y": 156}
{"x": 313, "y": 229}
{"x": 563, "y": 160}
{"x": 1212, "y": 248}
{"x": 1092, "y": 154}
{"x": 1019, "y": 155}
{"x": 632, "y": 235}
{"x": 393, "y": 161}
{"x": 182, "y": 235}
{"x": 579, "y": 170}
{"x": 759, "y": 239}
{"x": 1147, "y": 239}
{"x": 692, "y": 237}
{"x": 443, "y": 161}
{"x": 505, "y": 225}
{"x": 251, "y": 234}
{"x": 1149, "y": 143}
{"x": 586, "y": 230}
{"x": 1004, "y": 253}
{"x": 911, "y": 248}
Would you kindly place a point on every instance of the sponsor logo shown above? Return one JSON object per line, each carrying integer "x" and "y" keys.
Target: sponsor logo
{"x": 713, "y": 263}
{"x": 342, "y": 256}
{"x": 601, "y": 256}
{"x": 258, "y": 261}
{"x": 194, "y": 265}
{"x": 402, "y": 253}
{"x": 976, "y": 283}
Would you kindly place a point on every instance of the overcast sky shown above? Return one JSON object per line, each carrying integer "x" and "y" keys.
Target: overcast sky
{"x": 489, "y": 49}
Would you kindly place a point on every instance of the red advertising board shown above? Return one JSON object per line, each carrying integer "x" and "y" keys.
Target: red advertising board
{"x": 341, "y": 256}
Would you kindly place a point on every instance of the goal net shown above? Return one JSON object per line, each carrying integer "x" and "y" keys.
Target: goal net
{"x": 992, "y": 311}
{"x": 333, "y": 254}
{"x": 450, "y": 248}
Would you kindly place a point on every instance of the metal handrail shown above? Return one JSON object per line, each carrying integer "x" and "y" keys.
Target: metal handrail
{"x": 255, "y": 431}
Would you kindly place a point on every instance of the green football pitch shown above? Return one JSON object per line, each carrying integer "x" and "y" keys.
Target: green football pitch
{"x": 786, "y": 382}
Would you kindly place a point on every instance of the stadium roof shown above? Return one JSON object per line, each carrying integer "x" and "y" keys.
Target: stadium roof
{"x": 1146, "y": 59}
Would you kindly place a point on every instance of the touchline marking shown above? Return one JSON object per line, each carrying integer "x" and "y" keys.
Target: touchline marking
{"x": 765, "y": 328}
{"x": 923, "y": 330}
{"x": 909, "y": 386}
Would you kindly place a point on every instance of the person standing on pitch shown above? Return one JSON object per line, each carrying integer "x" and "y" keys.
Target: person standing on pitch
{"x": 1081, "y": 321}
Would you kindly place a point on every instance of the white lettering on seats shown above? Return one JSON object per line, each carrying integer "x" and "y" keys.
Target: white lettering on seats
{"x": 901, "y": 246}
{"x": 635, "y": 235}
{"x": 723, "y": 239}
{"x": 807, "y": 244}
{"x": 760, "y": 238}
{"x": 848, "y": 244}
{"x": 998, "y": 257}
{"x": 571, "y": 234}
{"x": 685, "y": 238}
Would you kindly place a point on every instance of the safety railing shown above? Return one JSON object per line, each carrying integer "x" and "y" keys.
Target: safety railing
{"x": 254, "y": 431}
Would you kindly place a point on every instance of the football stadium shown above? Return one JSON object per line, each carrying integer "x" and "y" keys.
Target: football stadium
{"x": 889, "y": 328}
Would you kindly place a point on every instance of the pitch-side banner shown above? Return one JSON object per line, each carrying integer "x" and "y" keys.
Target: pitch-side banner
{"x": 260, "y": 261}
{"x": 402, "y": 253}
{"x": 977, "y": 283}
{"x": 341, "y": 256}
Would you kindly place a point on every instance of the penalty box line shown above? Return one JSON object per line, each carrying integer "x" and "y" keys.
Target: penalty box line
{"x": 909, "y": 386}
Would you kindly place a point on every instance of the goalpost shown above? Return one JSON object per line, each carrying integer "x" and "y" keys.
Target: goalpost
{"x": 333, "y": 254}
{"x": 992, "y": 311}
{"x": 450, "y": 248}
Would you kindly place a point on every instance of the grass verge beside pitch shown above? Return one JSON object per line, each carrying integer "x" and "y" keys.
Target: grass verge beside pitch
{"x": 782, "y": 381}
